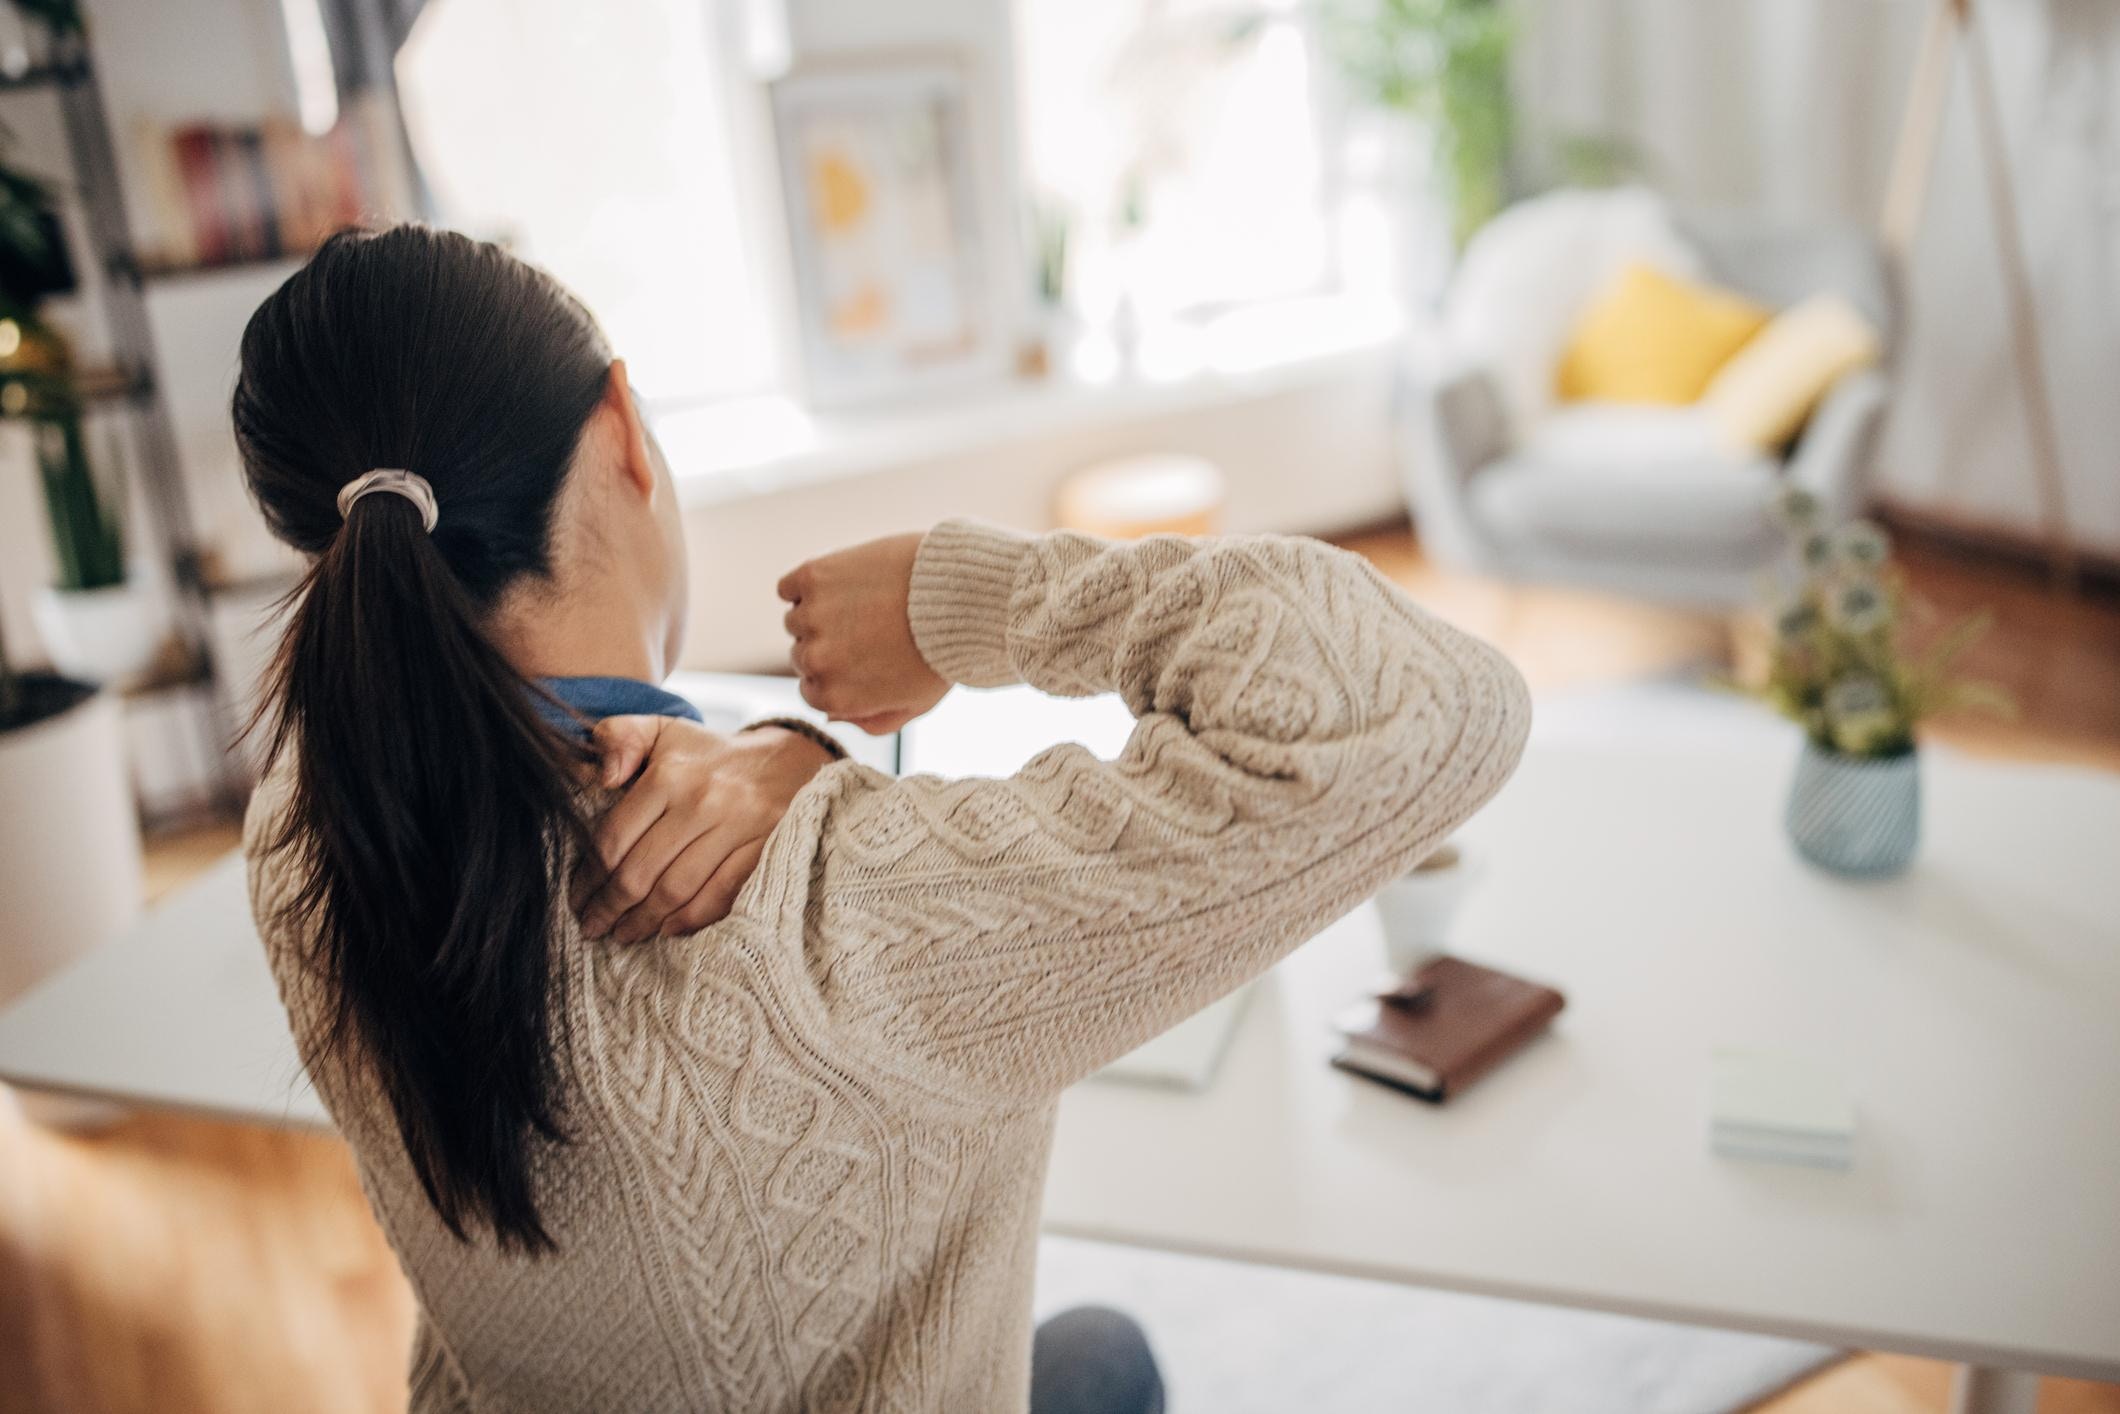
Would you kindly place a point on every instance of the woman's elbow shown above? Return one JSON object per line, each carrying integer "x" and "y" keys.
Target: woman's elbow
{"x": 1470, "y": 738}
{"x": 1498, "y": 720}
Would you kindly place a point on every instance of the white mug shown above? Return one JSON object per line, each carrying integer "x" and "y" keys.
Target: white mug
{"x": 1419, "y": 906}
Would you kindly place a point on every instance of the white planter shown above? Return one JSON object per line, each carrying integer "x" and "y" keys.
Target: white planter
{"x": 100, "y": 635}
{"x": 1418, "y": 908}
{"x": 69, "y": 843}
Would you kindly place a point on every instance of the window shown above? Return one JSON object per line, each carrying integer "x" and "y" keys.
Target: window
{"x": 596, "y": 138}
{"x": 614, "y": 144}
{"x": 1179, "y": 141}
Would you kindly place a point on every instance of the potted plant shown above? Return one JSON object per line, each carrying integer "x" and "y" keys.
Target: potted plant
{"x": 69, "y": 845}
{"x": 1444, "y": 64}
{"x": 94, "y": 623}
{"x": 1840, "y": 668}
{"x": 1047, "y": 226}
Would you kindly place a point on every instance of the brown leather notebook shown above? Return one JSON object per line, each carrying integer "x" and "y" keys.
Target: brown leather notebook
{"x": 1444, "y": 1027}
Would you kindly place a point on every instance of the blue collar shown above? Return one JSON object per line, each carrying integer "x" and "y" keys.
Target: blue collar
{"x": 598, "y": 698}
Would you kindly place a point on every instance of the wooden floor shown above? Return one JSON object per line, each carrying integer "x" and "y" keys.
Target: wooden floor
{"x": 2058, "y": 658}
{"x": 177, "y": 1264}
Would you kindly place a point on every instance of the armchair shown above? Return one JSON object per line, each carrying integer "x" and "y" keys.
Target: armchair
{"x": 1639, "y": 500}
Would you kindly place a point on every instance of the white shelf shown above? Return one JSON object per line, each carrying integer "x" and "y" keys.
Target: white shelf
{"x": 741, "y": 448}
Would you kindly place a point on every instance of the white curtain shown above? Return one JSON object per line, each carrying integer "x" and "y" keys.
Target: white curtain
{"x": 1792, "y": 107}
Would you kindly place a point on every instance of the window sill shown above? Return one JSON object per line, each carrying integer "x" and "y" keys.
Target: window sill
{"x": 745, "y": 448}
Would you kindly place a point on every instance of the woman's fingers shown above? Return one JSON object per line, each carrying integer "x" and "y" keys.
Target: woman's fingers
{"x": 630, "y": 817}
{"x": 588, "y": 878}
{"x": 633, "y": 877}
{"x": 718, "y": 895}
{"x": 625, "y": 744}
{"x": 883, "y": 724}
{"x": 853, "y": 644}
{"x": 676, "y": 884}
{"x": 697, "y": 800}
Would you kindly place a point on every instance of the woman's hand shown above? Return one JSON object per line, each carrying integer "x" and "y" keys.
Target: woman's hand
{"x": 854, "y": 647}
{"x": 674, "y": 851}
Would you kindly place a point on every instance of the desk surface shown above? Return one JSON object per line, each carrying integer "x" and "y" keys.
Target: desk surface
{"x": 1974, "y": 1007}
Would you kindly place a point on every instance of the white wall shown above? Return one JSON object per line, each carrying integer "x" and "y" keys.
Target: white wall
{"x": 181, "y": 59}
{"x": 978, "y": 34}
{"x": 1312, "y": 455}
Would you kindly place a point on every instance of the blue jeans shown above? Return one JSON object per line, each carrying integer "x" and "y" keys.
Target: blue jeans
{"x": 1093, "y": 1360}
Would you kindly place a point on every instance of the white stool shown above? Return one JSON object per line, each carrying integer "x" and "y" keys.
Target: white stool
{"x": 1162, "y": 494}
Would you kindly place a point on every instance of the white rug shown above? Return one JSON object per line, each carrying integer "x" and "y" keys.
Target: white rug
{"x": 1239, "y": 1339}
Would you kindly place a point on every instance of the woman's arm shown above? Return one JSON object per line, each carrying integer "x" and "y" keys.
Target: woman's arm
{"x": 1306, "y": 732}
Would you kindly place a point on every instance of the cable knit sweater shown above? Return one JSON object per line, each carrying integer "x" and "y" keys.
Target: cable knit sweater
{"x": 807, "y": 1144}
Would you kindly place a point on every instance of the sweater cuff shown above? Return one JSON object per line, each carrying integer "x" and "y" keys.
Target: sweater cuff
{"x": 963, "y": 579}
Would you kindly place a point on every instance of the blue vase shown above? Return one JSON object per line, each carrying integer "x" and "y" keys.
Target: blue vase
{"x": 1856, "y": 815}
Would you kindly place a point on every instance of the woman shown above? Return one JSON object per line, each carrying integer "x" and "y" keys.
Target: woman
{"x": 792, "y": 1161}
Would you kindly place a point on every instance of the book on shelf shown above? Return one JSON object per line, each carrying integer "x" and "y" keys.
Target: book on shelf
{"x": 218, "y": 194}
{"x": 162, "y": 222}
{"x": 202, "y": 202}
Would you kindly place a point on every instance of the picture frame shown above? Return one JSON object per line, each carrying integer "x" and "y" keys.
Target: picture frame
{"x": 890, "y": 264}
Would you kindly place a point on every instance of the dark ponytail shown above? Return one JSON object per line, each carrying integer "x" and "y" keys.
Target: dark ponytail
{"x": 430, "y": 801}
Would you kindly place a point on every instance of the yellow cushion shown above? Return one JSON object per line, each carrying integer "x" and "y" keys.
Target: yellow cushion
{"x": 1654, "y": 338}
{"x": 1763, "y": 396}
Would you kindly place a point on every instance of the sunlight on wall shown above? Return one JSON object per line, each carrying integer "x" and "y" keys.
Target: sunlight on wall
{"x": 595, "y": 139}
{"x": 315, "y": 85}
{"x": 1182, "y": 141}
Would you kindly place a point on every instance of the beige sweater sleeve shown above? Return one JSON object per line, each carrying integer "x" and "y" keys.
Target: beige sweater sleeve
{"x": 1305, "y": 733}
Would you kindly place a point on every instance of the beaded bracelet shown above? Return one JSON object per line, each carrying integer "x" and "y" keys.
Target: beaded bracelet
{"x": 804, "y": 729}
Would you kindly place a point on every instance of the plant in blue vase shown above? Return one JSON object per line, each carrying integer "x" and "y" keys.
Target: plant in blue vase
{"x": 1842, "y": 668}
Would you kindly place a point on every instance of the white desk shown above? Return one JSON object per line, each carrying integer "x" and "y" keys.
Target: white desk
{"x": 1974, "y": 1007}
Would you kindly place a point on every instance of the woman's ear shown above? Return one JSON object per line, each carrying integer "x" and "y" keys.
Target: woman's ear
{"x": 634, "y": 461}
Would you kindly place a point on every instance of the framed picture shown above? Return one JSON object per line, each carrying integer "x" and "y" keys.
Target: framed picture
{"x": 882, "y": 205}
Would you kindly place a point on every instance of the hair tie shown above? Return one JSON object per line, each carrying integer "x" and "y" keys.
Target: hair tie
{"x": 411, "y": 485}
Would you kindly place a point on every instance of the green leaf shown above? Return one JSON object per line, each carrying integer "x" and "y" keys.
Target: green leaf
{"x": 1446, "y": 62}
{"x": 1953, "y": 644}
{"x": 86, "y": 538}
{"x": 1972, "y": 695}
{"x": 60, "y": 16}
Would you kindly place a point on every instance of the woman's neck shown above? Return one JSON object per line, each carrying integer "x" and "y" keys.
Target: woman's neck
{"x": 579, "y": 635}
